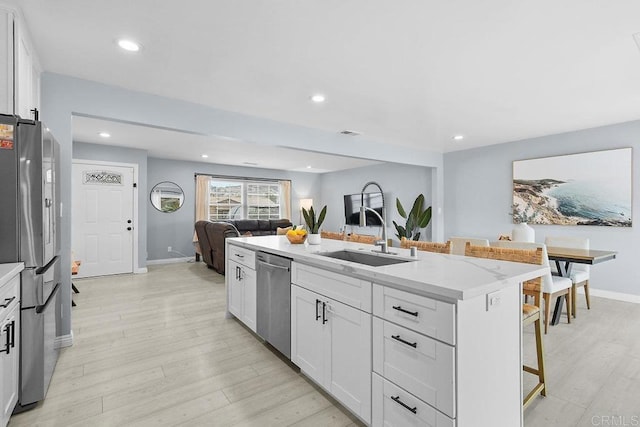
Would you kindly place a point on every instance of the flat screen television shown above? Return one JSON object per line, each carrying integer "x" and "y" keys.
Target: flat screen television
{"x": 352, "y": 203}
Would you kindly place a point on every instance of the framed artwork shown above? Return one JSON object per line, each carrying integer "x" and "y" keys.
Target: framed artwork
{"x": 577, "y": 189}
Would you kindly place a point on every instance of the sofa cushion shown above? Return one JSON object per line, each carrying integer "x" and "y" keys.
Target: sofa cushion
{"x": 244, "y": 225}
{"x": 281, "y": 231}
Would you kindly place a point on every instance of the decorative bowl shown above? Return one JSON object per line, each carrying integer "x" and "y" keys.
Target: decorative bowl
{"x": 296, "y": 239}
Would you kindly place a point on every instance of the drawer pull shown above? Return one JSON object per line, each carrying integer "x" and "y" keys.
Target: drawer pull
{"x": 399, "y": 308}
{"x": 7, "y": 301}
{"x": 397, "y": 338}
{"x": 317, "y": 304}
{"x": 404, "y": 405}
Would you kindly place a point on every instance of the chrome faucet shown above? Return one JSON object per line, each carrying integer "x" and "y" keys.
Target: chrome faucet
{"x": 363, "y": 223}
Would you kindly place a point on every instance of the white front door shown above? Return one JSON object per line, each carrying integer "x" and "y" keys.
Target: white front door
{"x": 102, "y": 218}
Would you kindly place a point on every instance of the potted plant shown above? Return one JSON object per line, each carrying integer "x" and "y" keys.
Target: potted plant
{"x": 313, "y": 223}
{"x": 416, "y": 219}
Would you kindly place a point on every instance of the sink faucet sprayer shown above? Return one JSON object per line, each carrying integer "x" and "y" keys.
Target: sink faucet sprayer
{"x": 363, "y": 219}
{"x": 363, "y": 223}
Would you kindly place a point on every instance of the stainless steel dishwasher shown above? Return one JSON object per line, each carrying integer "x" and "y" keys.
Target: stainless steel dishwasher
{"x": 274, "y": 301}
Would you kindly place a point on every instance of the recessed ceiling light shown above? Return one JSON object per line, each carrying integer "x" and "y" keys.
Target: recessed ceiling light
{"x": 318, "y": 98}
{"x": 104, "y": 134}
{"x": 309, "y": 167}
{"x": 129, "y": 45}
{"x": 205, "y": 156}
{"x": 458, "y": 137}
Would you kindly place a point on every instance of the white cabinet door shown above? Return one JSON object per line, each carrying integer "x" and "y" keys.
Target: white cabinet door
{"x": 307, "y": 333}
{"x": 249, "y": 297}
{"x": 10, "y": 336}
{"x": 236, "y": 290}
{"x": 6, "y": 61}
{"x": 331, "y": 343}
{"x": 349, "y": 375}
{"x": 27, "y": 73}
{"x": 242, "y": 293}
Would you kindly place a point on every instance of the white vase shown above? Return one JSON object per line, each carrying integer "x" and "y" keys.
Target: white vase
{"x": 522, "y": 232}
{"x": 314, "y": 239}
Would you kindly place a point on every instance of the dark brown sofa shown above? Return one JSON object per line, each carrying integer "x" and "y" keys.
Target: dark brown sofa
{"x": 211, "y": 236}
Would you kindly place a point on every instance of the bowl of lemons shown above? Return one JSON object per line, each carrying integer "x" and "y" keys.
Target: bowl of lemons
{"x": 297, "y": 236}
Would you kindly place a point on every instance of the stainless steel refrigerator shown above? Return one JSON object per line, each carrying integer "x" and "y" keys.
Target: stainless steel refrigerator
{"x": 29, "y": 220}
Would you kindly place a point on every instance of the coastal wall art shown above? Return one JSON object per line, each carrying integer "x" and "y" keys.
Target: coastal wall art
{"x": 577, "y": 189}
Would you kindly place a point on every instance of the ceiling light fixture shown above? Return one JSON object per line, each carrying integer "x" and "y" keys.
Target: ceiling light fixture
{"x": 458, "y": 138}
{"x": 205, "y": 156}
{"x": 104, "y": 134}
{"x": 129, "y": 45}
{"x": 318, "y": 98}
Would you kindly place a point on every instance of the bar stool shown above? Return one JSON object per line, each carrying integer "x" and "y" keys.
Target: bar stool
{"x": 530, "y": 313}
{"x": 441, "y": 248}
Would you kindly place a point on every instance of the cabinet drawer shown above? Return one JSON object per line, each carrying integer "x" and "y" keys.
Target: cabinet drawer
{"x": 10, "y": 292}
{"x": 425, "y": 315}
{"x": 393, "y": 406}
{"x": 242, "y": 256}
{"x": 419, "y": 364}
{"x": 345, "y": 289}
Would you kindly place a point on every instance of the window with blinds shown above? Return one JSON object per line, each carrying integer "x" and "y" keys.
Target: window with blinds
{"x": 234, "y": 199}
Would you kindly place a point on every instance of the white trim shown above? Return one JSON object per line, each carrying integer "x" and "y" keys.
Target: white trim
{"x": 63, "y": 341}
{"x": 136, "y": 180}
{"x": 170, "y": 260}
{"x": 618, "y": 296}
{"x": 143, "y": 270}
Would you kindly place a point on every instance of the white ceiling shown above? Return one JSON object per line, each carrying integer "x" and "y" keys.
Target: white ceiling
{"x": 412, "y": 72}
{"x": 171, "y": 144}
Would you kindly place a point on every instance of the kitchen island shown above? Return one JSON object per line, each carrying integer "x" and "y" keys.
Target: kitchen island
{"x": 412, "y": 343}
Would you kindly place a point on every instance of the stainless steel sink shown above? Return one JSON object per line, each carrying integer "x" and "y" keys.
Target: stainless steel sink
{"x": 364, "y": 258}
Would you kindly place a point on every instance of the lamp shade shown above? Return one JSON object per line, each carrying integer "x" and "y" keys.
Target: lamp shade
{"x": 306, "y": 203}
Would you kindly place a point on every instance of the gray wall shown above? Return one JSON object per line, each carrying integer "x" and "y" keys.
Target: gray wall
{"x": 402, "y": 181}
{"x": 176, "y": 229}
{"x": 478, "y": 194}
{"x": 64, "y": 96}
{"x": 106, "y": 153}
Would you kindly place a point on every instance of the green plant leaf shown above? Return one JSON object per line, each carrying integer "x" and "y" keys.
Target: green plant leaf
{"x": 307, "y": 218}
{"x": 401, "y": 211}
{"x": 425, "y": 218}
{"x": 416, "y": 209}
{"x": 323, "y": 213}
{"x": 401, "y": 232}
{"x": 417, "y": 236}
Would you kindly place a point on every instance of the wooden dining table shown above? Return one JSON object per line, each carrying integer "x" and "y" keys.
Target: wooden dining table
{"x": 565, "y": 258}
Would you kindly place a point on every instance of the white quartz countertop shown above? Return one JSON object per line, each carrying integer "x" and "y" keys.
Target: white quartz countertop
{"x": 7, "y": 271}
{"x": 450, "y": 276}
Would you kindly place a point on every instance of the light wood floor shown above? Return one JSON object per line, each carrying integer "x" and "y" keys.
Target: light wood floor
{"x": 155, "y": 349}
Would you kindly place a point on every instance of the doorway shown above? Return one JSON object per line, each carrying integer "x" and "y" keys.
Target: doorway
{"x": 103, "y": 217}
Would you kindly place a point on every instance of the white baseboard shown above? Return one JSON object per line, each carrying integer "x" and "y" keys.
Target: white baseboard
{"x": 618, "y": 296}
{"x": 140, "y": 270}
{"x": 170, "y": 260}
{"x": 63, "y": 341}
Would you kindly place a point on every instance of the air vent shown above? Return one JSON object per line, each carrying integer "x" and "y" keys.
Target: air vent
{"x": 349, "y": 132}
{"x": 250, "y": 163}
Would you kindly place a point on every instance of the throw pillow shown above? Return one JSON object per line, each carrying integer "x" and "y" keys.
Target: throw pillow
{"x": 281, "y": 231}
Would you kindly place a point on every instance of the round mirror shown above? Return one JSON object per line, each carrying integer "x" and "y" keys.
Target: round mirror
{"x": 167, "y": 196}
